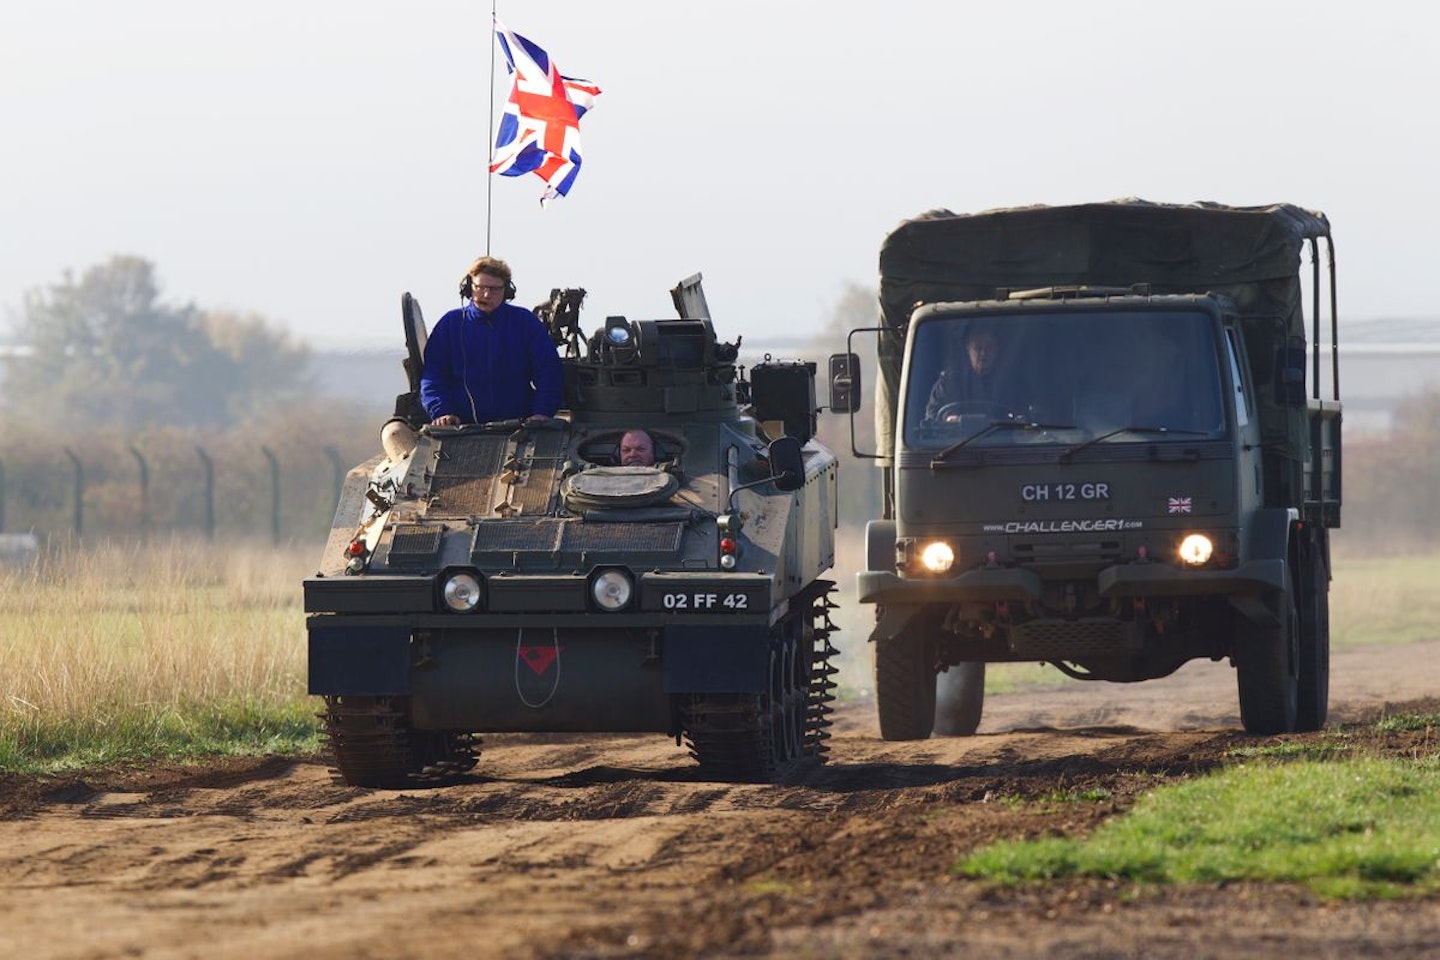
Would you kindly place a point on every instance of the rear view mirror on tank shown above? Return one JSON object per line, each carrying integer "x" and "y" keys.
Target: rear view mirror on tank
{"x": 844, "y": 382}
{"x": 787, "y": 463}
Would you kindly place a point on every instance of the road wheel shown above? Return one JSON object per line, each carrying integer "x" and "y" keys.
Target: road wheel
{"x": 372, "y": 745}
{"x": 1313, "y": 601}
{"x": 905, "y": 687}
{"x": 1267, "y": 669}
{"x": 959, "y": 700}
{"x": 760, "y": 738}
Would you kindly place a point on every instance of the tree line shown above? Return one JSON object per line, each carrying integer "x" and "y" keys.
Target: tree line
{"x": 103, "y": 351}
{"x": 123, "y": 415}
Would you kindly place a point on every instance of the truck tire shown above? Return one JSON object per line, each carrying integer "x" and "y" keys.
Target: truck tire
{"x": 905, "y": 687}
{"x": 1267, "y": 670}
{"x": 1313, "y": 600}
{"x": 959, "y": 700}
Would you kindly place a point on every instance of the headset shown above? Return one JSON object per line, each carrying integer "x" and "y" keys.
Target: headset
{"x": 467, "y": 288}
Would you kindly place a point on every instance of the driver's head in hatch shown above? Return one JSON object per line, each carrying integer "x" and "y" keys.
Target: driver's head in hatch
{"x": 637, "y": 449}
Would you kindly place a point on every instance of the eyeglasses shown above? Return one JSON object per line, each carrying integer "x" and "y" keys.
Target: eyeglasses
{"x": 491, "y": 287}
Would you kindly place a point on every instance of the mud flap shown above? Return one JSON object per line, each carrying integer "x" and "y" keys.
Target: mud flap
{"x": 716, "y": 659}
{"x": 359, "y": 661}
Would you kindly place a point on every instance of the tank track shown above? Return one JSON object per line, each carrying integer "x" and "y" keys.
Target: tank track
{"x": 821, "y": 692}
{"x": 370, "y": 742}
{"x": 762, "y": 737}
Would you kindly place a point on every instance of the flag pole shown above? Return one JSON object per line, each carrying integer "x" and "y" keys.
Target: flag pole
{"x": 490, "y": 132}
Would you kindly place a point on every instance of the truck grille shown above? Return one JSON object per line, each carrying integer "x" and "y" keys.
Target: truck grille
{"x": 1100, "y": 551}
{"x": 1052, "y": 639}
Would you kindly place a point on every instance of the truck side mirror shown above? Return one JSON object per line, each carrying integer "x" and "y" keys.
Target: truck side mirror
{"x": 844, "y": 382}
{"x": 787, "y": 463}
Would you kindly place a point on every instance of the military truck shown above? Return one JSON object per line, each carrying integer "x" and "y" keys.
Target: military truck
{"x": 1138, "y": 475}
{"x": 515, "y": 577}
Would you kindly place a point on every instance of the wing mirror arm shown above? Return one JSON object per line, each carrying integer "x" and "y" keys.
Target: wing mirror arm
{"x": 787, "y": 469}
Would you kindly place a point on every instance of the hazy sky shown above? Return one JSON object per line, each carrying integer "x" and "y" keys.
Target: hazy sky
{"x": 311, "y": 160}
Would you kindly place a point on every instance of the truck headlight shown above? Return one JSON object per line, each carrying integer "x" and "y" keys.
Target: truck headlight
{"x": 612, "y": 589}
{"x": 461, "y": 591}
{"x": 937, "y": 556}
{"x": 1195, "y": 550}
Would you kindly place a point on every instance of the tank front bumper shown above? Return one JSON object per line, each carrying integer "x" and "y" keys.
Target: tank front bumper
{"x": 1252, "y": 578}
{"x": 537, "y": 678}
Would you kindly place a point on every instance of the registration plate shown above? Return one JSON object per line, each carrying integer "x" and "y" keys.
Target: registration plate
{"x": 1064, "y": 492}
{"x": 708, "y": 601}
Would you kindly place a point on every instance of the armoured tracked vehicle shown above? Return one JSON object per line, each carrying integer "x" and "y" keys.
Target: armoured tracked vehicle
{"x": 513, "y": 577}
{"x": 1102, "y": 453}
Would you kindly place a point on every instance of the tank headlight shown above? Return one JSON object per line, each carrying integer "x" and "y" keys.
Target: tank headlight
{"x": 937, "y": 556}
{"x": 1195, "y": 549}
{"x": 612, "y": 590}
{"x": 461, "y": 592}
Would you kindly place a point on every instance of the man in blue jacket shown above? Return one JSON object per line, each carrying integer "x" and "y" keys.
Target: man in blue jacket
{"x": 490, "y": 359}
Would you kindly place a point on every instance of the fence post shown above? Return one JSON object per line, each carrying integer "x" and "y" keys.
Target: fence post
{"x": 79, "y": 493}
{"x": 144, "y": 495}
{"x": 274, "y": 494}
{"x": 209, "y": 492}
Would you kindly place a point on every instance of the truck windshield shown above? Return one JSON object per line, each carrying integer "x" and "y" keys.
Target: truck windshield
{"x": 1088, "y": 374}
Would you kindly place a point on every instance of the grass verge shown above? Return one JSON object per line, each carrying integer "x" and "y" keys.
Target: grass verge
{"x": 174, "y": 651}
{"x": 1346, "y": 826}
{"x": 1376, "y": 600}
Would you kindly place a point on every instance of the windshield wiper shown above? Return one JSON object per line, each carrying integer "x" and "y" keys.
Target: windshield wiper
{"x": 991, "y": 427}
{"x": 1069, "y": 455}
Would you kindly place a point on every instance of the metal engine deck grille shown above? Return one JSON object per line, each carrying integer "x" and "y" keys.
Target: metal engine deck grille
{"x": 550, "y": 544}
{"x": 1068, "y": 639}
{"x": 414, "y": 543}
{"x": 464, "y": 476}
{"x": 505, "y": 536}
{"x": 646, "y": 537}
{"x": 536, "y": 494}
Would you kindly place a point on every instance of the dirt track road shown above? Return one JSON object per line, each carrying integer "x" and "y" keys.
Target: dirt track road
{"x": 610, "y": 846}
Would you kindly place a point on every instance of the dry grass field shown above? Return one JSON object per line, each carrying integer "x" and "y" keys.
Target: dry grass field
{"x": 188, "y": 647}
{"x": 143, "y": 651}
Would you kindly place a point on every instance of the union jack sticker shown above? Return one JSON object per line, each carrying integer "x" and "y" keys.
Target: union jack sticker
{"x": 1179, "y": 504}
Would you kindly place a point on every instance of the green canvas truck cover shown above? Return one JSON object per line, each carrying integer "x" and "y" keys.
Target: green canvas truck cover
{"x": 1250, "y": 254}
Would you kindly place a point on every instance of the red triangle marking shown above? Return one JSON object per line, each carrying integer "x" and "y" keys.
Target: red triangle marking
{"x": 540, "y": 658}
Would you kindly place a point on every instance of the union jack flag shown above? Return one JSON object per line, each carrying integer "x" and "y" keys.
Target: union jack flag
{"x": 1180, "y": 504}
{"x": 540, "y": 128}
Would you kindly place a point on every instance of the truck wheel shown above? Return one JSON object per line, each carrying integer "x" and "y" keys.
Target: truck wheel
{"x": 1313, "y": 598}
{"x": 959, "y": 700}
{"x": 1267, "y": 669}
{"x": 905, "y": 687}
